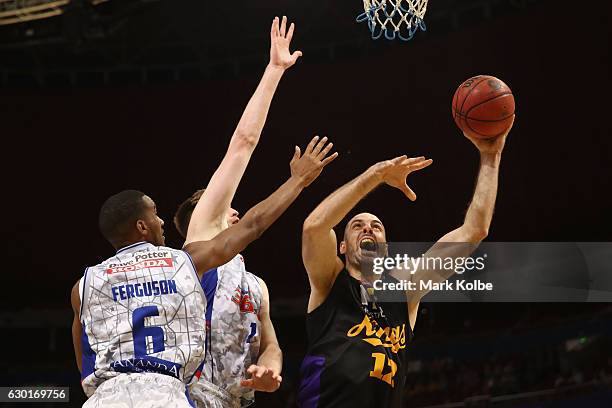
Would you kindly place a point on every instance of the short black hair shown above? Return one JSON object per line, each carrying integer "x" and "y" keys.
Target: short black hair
{"x": 118, "y": 212}
{"x": 184, "y": 212}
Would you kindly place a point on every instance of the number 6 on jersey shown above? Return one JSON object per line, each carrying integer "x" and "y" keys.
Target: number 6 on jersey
{"x": 141, "y": 332}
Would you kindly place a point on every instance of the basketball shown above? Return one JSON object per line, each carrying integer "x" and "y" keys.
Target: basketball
{"x": 483, "y": 106}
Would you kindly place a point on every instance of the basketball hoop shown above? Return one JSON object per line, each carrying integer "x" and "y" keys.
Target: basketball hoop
{"x": 394, "y": 18}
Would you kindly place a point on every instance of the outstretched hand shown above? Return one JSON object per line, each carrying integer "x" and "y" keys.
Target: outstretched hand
{"x": 308, "y": 166}
{"x": 280, "y": 40}
{"x": 262, "y": 379}
{"x": 395, "y": 171}
{"x": 492, "y": 145}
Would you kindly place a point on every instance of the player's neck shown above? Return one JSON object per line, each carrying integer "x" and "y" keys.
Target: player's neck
{"x": 127, "y": 243}
{"x": 357, "y": 273}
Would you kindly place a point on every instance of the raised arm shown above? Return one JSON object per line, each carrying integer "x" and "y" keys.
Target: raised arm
{"x": 209, "y": 215}
{"x": 462, "y": 241}
{"x": 304, "y": 170}
{"x": 319, "y": 244}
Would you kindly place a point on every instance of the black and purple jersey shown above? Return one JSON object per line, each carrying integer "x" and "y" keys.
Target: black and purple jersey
{"x": 356, "y": 349}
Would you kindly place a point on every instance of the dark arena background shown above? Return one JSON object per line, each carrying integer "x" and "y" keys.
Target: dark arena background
{"x": 145, "y": 94}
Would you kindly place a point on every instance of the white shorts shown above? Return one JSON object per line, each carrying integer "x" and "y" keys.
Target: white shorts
{"x": 139, "y": 390}
{"x": 207, "y": 395}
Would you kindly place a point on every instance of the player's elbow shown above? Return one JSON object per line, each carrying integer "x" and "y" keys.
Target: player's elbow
{"x": 311, "y": 226}
{"x": 471, "y": 233}
{"x": 307, "y": 227}
{"x": 245, "y": 139}
{"x": 478, "y": 234}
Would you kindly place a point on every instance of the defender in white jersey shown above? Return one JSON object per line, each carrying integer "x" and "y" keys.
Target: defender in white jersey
{"x": 142, "y": 283}
{"x": 233, "y": 319}
{"x": 138, "y": 331}
{"x": 241, "y": 340}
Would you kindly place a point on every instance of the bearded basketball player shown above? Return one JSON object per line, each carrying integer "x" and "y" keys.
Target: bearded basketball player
{"x": 356, "y": 346}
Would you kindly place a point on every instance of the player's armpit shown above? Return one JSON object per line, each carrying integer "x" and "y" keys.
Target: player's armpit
{"x": 413, "y": 312}
{"x": 459, "y": 243}
{"x": 320, "y": 260}
{"x": 207, "y": 254}
{"x": 77, "y": 328}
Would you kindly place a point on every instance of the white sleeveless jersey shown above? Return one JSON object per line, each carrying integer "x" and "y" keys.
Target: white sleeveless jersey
{"x": 142, "y": 311}
{"x": 232, "y": 317}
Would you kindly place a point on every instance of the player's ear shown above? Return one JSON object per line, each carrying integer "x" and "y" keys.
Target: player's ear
{"x": 141, "y": 226}
{"x": 343, "y": 247}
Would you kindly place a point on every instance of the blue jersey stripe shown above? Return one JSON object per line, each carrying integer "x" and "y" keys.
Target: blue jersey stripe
{"x": 88, "y": 357}
{"x": 189, "y": 397}
{"x": 209, "y": 284}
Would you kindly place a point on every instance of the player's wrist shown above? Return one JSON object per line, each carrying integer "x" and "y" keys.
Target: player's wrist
{"x": 376, "y": 173}
{"x": 490, "y": 158}
{"x": 298, "y": 181}
{"x": 276, "y": 68}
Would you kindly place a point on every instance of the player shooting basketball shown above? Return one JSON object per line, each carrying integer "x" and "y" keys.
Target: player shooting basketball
{"x": 241, "y": 339}
{"x": 356, "y": 354}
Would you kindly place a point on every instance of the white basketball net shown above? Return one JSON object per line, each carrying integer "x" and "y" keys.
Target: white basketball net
{"x": 394, "y": 18}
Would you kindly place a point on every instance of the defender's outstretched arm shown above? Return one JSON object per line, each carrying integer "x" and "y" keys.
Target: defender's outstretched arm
{"x": 209, "y": 215}
{"x": 223, "y": 247}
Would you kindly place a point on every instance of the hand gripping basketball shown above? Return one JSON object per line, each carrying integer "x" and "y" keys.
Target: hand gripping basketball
{"x": 491, "y": 145}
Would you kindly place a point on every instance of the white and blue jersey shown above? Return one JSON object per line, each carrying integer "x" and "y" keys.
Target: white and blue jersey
{"x": 142, "y": 311}
{"x": 234, "y": 299}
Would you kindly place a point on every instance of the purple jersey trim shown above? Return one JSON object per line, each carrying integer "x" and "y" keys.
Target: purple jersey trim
{"x": 310, "y": 384}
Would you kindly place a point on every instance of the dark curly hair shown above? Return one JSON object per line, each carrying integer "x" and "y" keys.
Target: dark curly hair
{"x": 118, "y": 213}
